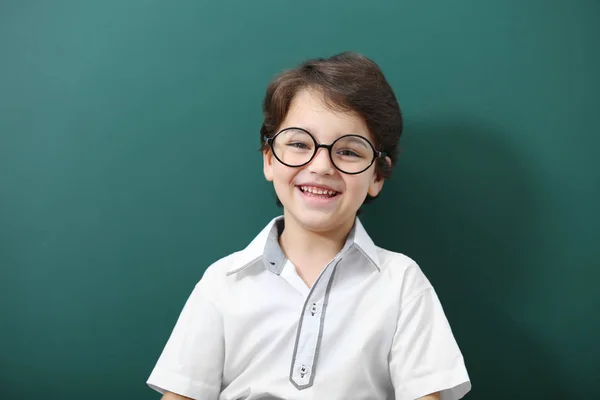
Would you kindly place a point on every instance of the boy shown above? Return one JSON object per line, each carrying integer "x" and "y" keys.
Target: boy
{"x": 312, "y": 308}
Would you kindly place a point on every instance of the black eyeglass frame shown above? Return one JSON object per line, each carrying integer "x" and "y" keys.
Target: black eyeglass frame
{"x": 376, "y": 153}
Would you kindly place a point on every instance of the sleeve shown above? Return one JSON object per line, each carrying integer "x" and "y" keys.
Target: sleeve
{"x": 191, "y": 363}
{"x": 425, "y": 357}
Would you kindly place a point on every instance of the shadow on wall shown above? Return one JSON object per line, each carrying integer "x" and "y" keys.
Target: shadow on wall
{"x": 462, "y": 204}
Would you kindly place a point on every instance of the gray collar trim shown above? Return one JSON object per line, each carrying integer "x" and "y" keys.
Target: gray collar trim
{"x": 273, "y": 258}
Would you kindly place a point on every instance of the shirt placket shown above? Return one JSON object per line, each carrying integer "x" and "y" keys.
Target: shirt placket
{"x": 310, "y": 329}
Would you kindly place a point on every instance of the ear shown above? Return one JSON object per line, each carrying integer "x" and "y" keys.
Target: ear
{"x": 375, "y": 187}
{"x": 268, "y": 164}
{"x": 377, "y": 182}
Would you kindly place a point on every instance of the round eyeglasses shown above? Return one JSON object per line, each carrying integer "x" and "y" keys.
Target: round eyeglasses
{"x": 350, "y": 154}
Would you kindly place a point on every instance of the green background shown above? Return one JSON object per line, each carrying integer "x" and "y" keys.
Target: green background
{"x": 129, "y": 163}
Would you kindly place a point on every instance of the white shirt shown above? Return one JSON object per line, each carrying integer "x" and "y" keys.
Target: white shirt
{"x": 371, "y": 327}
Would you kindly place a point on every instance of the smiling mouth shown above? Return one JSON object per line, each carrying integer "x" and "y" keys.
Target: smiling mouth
{"x": 317, "y": 192}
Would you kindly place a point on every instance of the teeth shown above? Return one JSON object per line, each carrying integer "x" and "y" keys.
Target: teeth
{"x": 315, "y": 190}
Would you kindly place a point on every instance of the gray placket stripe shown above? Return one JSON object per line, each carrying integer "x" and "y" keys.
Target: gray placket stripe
{"x": 322, "y": 324}
{"x": 327, "y": 275}
{"x": 293, "y": 363}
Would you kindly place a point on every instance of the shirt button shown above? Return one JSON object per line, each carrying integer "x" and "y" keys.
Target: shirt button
{"x": 304, "y": 370}
{"x": 313, "y": 309}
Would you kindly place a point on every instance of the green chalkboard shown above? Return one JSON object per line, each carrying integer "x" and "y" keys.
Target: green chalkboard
{"x": 129, "y": 162}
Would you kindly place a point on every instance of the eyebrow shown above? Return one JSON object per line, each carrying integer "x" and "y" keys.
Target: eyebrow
{"x": 354, "y": 139}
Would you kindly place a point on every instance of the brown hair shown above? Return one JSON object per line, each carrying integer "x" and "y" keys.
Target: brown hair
{"x": 349, "y": 82}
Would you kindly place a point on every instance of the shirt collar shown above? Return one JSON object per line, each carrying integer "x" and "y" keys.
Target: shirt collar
{"x": 266, "y": 250}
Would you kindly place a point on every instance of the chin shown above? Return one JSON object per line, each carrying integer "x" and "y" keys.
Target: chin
{"x": 316, "y": 223}
{"x": 316, "y": 220}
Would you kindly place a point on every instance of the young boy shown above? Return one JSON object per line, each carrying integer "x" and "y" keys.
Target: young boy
{"x": 312, "y": 308}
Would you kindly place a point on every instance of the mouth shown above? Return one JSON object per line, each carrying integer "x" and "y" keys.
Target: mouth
{"x": 317, "y": 192}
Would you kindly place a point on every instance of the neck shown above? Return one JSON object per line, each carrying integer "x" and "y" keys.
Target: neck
{"x": 310, "y": 251}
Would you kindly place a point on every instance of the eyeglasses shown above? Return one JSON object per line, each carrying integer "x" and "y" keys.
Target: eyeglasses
{"x": 350, "y": 154}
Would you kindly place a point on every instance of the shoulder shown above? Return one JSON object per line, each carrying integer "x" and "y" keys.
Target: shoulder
{"x": 222, "y": 266}
{"x": 404, "y": 273}
{"x": 214, "y": 279}
{"x": 219, "y": 277}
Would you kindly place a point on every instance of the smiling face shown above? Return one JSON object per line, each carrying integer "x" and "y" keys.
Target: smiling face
{"x": 318, "y": 197}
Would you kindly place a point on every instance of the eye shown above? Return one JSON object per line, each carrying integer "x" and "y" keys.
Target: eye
{"x": 348, "y": 153}
{"x": 298, "y": 145}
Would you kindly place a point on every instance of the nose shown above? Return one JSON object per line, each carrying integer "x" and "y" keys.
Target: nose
{"x": 321, "y": 163}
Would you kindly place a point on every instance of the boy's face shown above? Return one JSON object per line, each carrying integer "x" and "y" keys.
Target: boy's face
{"x": 295, "y": 187}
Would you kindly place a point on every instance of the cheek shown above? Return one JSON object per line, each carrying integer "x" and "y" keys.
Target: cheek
{"x": 282, "y": 175}
{"x": 358, "y": 185}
